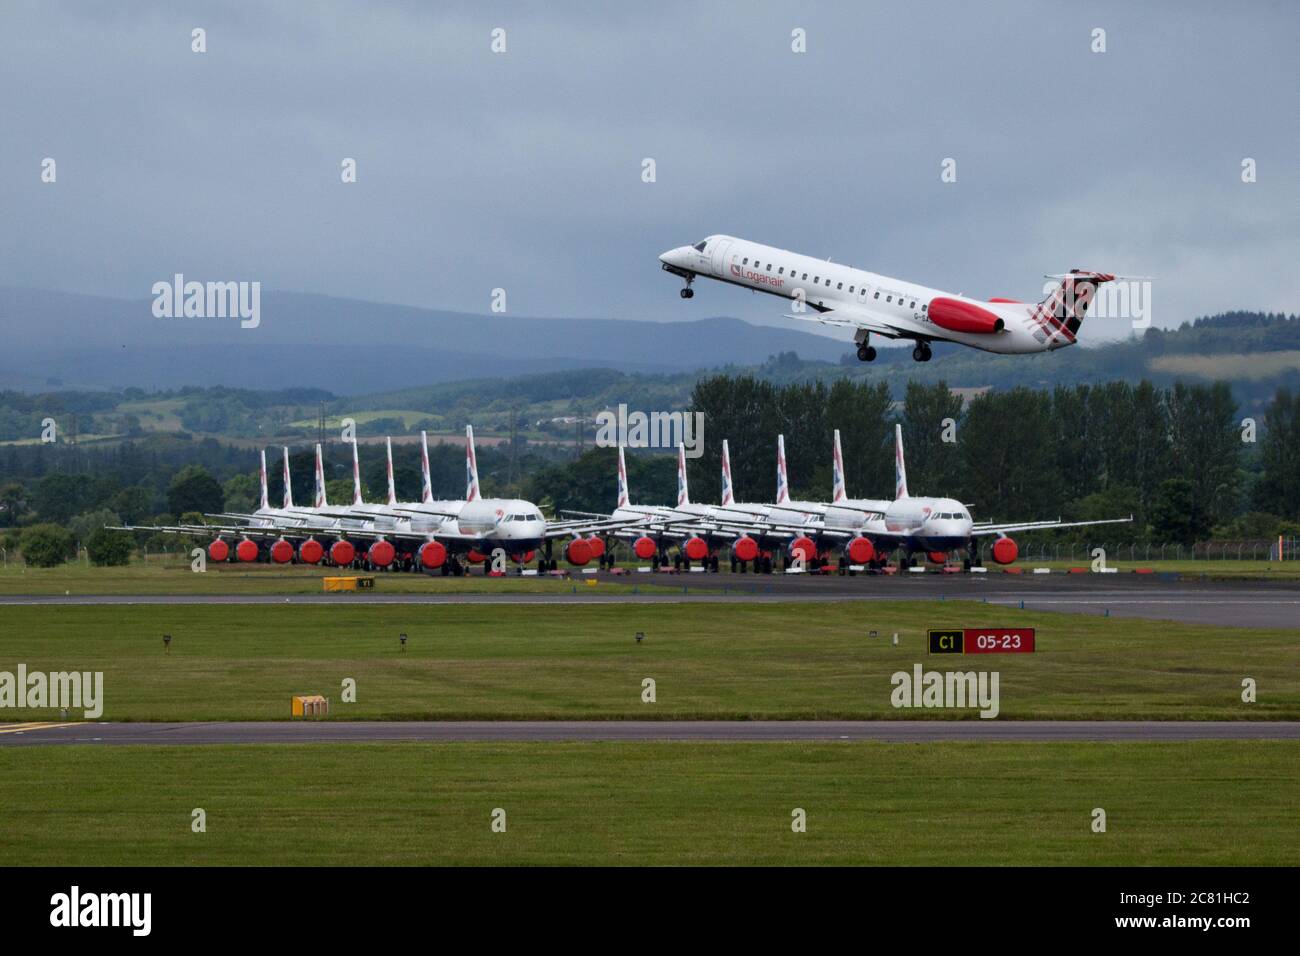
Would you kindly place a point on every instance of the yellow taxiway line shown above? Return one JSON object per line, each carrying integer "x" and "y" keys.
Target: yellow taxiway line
{"x": 34, "y": 725}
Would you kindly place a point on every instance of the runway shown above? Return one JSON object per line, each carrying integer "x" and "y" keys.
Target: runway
{"x": 1247, "y": 603}
{"x": 755, "y": 731}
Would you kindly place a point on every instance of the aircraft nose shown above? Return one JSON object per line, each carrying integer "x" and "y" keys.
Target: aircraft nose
{"x": 672, "y": 257}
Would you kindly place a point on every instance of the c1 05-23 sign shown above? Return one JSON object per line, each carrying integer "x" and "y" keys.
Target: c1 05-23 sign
{"x": 982, "y": 640}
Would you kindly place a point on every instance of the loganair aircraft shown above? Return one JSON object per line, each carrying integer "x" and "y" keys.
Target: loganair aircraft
{"x": 866, "y": 303}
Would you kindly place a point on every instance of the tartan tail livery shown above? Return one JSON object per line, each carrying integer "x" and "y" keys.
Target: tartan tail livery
{"x": 471, "y": 466}
{"x": 1060, "y": 314}
{"x": 728, "y": 494}
{"x": 683, "y": 493}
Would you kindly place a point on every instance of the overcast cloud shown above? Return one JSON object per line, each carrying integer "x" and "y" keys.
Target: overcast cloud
{"x": 523, "y": 170}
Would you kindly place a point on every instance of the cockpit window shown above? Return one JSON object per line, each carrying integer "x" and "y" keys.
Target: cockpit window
{"x": 699, "y": 246}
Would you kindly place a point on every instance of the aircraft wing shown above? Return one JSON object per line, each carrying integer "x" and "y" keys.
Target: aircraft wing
{"x": 1000, "y": 529}
{"x": 848, "y": 318}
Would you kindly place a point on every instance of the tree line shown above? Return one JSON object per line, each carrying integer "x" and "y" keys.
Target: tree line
{"x": 1181, "y": 459}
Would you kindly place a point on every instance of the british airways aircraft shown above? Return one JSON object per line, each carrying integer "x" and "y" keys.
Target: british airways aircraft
{"x": 848, "y": 298}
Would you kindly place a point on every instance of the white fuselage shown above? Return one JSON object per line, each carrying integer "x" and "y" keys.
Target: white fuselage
{"x": 829, "y": 286}
{"x": 930, "y": 524}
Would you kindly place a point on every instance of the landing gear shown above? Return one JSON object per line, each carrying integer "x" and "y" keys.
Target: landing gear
{"x": 687, "y": 293}
{"x": 865, "y": 352}
{"x": 922, "y": 352}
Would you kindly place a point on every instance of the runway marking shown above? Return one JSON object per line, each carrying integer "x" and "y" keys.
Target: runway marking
{"x": 34, "y": 725}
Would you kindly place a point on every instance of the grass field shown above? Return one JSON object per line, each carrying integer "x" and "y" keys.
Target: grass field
{"x": 244, "y": 662}
{"x": 171, "y": 574}
{"x": 1213, "y": 803}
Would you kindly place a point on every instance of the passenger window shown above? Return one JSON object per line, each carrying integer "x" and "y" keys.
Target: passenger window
{"x": 781, "y": 271}
{"x": 877, "y": 295}
{"x": 839, "y": 285}
{"x": 805, "y": 275}
{"x": 850, "y": 288}
{"x": 912, "y": 306}
{"x": 924, "y": 307}
{"x": 889, "y": 298}
{"x": 746, "y": 261}
{"x": 769, "y": 267}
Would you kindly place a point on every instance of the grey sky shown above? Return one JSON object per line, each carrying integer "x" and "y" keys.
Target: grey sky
{"x": 523, "y": 170}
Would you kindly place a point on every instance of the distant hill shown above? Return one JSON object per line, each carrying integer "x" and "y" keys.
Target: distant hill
{"x": 60, "y": 340}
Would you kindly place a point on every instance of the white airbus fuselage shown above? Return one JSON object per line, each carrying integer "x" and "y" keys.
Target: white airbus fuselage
{"x": 864, "y": 300}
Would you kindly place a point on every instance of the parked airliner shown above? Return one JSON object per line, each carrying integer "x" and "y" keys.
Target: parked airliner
{"x": 866, "y": 303}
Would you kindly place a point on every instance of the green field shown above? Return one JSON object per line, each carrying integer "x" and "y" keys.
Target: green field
{"x": 244, "y": 662}
{"x": 1212, "y": 803}
{"x": 171, "y": 574}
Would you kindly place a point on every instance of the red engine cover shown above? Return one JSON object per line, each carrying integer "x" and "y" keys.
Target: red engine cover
{"x": 745, "y": 548}
{"x": 1005, "y": 551}
{"x": 311, "y": 551}
{"x": 803, "y": 545}
{"x": 696, "y": 549}
{"x": 938, "y": 557}
{"x": 282, "y": 552}
{"x": 342, "y": 553}
{"x": 381, "y": 554}
{"x": 644, "y": 548}
{"x": 432, "y": 554}
{"x": 218, "y": 550}
{"x": 957, "y": 316}
{"x": 597, "y": 546}
{"x": 246, "y": 550}
{"x": 861, "y": 550}
{"x": 578, "y": 552}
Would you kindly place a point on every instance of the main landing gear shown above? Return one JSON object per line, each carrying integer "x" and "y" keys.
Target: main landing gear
{"x": 922, "y": 352}
{"x": 866, "y": 353}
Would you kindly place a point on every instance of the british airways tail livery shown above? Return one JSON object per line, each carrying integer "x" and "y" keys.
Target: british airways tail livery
{"x": 865, "y": 303}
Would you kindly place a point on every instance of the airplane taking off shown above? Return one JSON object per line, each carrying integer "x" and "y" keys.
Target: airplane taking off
{"x": 867, "y": 303}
